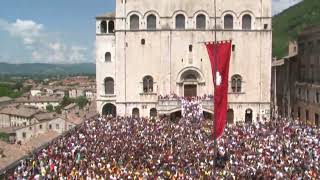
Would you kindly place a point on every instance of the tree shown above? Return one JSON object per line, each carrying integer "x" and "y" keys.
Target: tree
{"x": 18, "y": 86}
{"x": 66, "y": 101}
{"x": 49, "y": 108}
{"x": 4, "y": 137}
{"x": 81, "y": 101}
{"x": 58, "y": 109}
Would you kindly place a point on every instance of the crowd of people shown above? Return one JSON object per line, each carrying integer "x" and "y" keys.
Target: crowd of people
{"x": 174, "y": 96}
{"x": 191, "y": 108}
{"x": 130, "y": 148}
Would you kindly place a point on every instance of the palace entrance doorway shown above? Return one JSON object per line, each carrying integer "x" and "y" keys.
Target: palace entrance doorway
{"x": 248, "y": 116}
{"x": 190, "y": 90}
{"x": 109, "y": 110}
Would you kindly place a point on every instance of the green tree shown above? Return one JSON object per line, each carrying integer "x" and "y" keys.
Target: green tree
{"x": 7, "y": 90}
{"x": 66, "y": 101}
{"x": 58, "y": 109}
{"x": 81, "y": 101}
{"x": 18, "y": 86}
{"x": 4, "y": 136}
{"x": 49, "y": 108}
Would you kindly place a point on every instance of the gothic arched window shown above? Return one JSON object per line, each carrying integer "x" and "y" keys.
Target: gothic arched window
{"x": 135, "y": 112}
{"x": 103, "y": 27}
{"x": 246, "y": 22}
{"x": 147, "y": 84}
{"x": 180, "y": 21}
{"x": 108, "y": 57}
{"x": 134, "y": 22}
{"x": 236, "y": 84}
{"x": 111, "y": 27}
{"x": 109, "y": 85}
{"x": 151, "y": 22}
{"x": 201, "y": 21}
{"x": 228, "y": 21}
{"x": 153, "y": 112}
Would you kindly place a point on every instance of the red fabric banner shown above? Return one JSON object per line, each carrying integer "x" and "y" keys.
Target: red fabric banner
{"x": 220, "y": 75}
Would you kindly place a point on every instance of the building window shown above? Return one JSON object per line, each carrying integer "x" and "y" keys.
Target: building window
{"x": 265, "y": 26}
{"x": 153, "y": 113}
{"x": 111, "y": 27}
{"x": 107, "y": 57}
{"x": 24, "y": 135}
{"x": 109, "y": 85}
{"x": 201, "y": 21}
{"x": 228, "y": 21}
{"x": 135, "y": 112}
{"x": 143, "y": 41}
{"x": 50, "y": 126}
{"x": 57, "y": 126}
{"x": 246, "y": 22}
{"x": 134, "y": 22}
{"x": 190, "y": 48}
{"x": 147, "y": 84}
{"x": 307, "y": 115}
{"x": 236, "y": 83}
{"x": 180, "y": 21}
{"x": 151, "y": 22}
{"x": 233, "y": 47}
{"x": 318, "y": 97}
{"x": 40, "y": 126}
{"x": 103, "y": 27}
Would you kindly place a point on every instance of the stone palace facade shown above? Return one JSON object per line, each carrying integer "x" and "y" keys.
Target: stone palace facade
{"x": 149, "y": 48}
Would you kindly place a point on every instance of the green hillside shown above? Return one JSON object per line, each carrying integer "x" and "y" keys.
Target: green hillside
{"x": 288, "y": 24}
{"x": 47, "y": 69}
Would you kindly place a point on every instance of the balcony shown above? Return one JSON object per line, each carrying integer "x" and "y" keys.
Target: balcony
{"x": 166, "y": 106}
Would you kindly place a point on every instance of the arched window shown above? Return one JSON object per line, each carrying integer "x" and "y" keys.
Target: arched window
{"x": 246, "y": 22}
{"x": 180, "y": 21}
{"x": 109, "y": 110}
{"x": 190, "y": 77}
{"x": 109, "y": 85}
{"x": 201, "y": 21}
{"x": 249, "y": 116}
{"x": 228, "y": 21}
{"x": 135, "y": 113}
{"x": 151, "y": 22}
{"x": 108, "y": 57}
{"x": 147, "y": 84}
{"x": 111, "y": 27}
{"x": 134, "y": 22}
{"x": 230, "y": 116}
{"x": 153, "y": 113}
{"x": 236, "y": 83}
{"x": 103, "y": 27}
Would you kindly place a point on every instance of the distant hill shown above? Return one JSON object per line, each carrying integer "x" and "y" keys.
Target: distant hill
{"x": 289, "y": 23}
{"x": 47, "y": 69}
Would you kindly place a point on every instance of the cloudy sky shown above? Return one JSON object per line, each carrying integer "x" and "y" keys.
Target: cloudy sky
{"x": 57, "y": 31}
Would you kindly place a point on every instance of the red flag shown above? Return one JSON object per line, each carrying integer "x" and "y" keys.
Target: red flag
{"x": 220, "y": 79}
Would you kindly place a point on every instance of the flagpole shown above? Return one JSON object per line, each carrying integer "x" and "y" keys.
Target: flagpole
{"x": 214, "y": 78}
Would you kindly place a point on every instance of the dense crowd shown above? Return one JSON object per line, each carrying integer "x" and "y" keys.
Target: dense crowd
{"x": 129, "y": 148}
{"x": 174, "y": 96}
{"x": 191, "y": 108}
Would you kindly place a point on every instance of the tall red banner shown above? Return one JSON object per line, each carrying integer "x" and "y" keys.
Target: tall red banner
{"x": 219, "y": 54}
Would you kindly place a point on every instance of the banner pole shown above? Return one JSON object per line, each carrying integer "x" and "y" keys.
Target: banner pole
{"x": 215, "y": 81}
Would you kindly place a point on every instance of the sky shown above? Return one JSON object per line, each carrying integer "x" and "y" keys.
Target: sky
{"x": 57, "y": 31}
